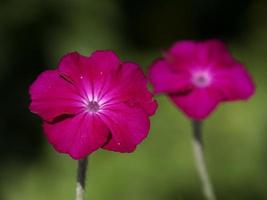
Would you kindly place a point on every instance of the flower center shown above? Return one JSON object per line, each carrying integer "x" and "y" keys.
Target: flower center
{"x": 93, "y": 106}
{"x": 201, "y": 78}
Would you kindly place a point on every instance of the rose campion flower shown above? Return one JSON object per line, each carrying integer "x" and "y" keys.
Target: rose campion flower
{"x": 198, "y": 75}
{"x": 93, "y": 102}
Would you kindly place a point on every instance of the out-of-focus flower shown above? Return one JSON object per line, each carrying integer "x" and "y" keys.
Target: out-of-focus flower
{"x": 198, "y": 75}
{"x": 93, "y": 102}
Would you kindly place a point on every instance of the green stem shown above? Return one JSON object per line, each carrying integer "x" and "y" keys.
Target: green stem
{"x": 81, "y": 177}
{"x": 200, "y": 161}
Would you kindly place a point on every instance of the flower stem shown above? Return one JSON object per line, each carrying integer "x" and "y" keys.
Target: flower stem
{"x": 81, "y": 176}
{"x": 200, "y": 161}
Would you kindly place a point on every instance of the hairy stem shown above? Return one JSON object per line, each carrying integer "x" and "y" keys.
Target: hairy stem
{"x": 81, "y": 176}
{"x": 200, "y": 161}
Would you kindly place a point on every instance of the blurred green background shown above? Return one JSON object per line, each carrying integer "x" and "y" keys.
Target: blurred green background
{"x": 35, "y": 34}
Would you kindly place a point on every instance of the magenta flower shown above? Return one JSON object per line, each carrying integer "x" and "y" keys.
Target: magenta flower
{"x": 93, "y": 102}
{"x": 197, "y": 76}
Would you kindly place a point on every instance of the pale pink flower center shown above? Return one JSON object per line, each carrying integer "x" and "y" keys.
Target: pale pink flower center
{"x": 201, "y": 78}
{"x": 93, "y": 106}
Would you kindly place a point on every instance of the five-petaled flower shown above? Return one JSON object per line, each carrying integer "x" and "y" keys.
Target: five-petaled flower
{"x": 198, "y": 75}
{"x": 93, "y": 102}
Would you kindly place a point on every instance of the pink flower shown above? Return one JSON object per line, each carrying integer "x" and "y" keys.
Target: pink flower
{"x": 93, "y": 102}
{"x": 197, "y": 76}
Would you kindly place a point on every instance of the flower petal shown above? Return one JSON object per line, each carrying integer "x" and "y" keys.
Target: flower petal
{"x": 105, "y": 60}
{"x": 164, "y": 79}
{"x": 214, "y": 53}
{"x": 52, "y": 96}
{"x": 77, "y": 136}
{"x": 106, "y": 66}
{"x": 199, "y": 103}
{"x": 128, "y": 126}
{"x": 182, "y": 54}
{"x": 76, "y": 65}
{"x": 90, "y": 73}
{"x": 235, "y": 83}
{"x": 131, "y": 89}
{"x": 135, "y": 88}
{"x": 189, "y": 54}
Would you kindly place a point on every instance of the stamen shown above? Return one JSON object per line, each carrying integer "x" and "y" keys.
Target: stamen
{"x": 93, "y": 106}
{"x": 201, "y": 78}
